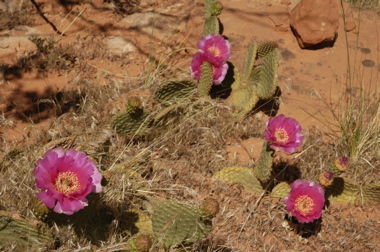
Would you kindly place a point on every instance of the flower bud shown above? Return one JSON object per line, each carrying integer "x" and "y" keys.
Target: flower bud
{"x": 326, "y": 178}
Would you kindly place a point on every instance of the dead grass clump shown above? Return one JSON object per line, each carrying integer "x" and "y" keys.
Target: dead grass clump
{"x": 124, "y": 7}
{"x": 368, "y": 4}
{"x": 10, "y": 20}
{"x": 199, "y": 135}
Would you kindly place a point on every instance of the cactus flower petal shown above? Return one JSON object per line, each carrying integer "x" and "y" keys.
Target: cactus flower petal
{"x": 305, "y": 201}
{"x": 215, "y": 48}
{"x": 284, "y": 133}
{"x": 66, "y": 178}
{"x": 220, "y": 71}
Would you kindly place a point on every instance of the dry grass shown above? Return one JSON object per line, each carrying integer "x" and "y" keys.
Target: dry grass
{"x": 8, "y": 20}
{"x": 369, "y": 4}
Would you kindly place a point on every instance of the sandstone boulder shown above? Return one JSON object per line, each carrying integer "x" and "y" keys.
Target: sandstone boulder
{"x": 315, "y": 22}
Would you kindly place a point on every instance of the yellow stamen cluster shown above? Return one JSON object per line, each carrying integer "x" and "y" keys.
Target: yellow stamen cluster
{"x": 304, "y": 204}
{"x": 67, "y": 183}
{"x": 281, "y": 135}
{"x": 215, "y": 51}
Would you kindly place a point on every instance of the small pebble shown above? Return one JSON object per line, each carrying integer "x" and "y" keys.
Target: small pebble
{"x": 368, "y": 63}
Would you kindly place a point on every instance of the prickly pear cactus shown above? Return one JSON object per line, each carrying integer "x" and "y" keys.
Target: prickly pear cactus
{"x": 173, "y": 92}
{"x": 249, "y": 61}
{"x": 211, "y": 25}
{"x": 40, "y": 210}
{"x": 258, "y": 81}
{"x": 212, "y": 9}
{"x": 23, "y": 234}
{"x": 342, "y": 190}
{"x": 216, "y": 8}
{"x": 264, "y": 76}
{"x": 263, "y": 167}
{"x": 210, "y": 6}
{"x": 371, "y": 194}
{"x": 243, "y": 98}
{"x": 281, "y": 190}
{"x": 241, "y": 175}
{"x": 175, "y": 223}
{"x": 206, "y": 79}
{"x": 134, "y": 106}
{"x": 134, "y": 121}
{"x": 265, "y": 48}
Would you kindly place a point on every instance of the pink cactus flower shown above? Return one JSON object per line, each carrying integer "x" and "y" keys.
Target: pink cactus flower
{"x": 220, "y": 71}
{"x": 284, "y": 134}
{"x": 215, "y": 48}
{"x": 305, "y": 201}
{"x": 66, "y": 179}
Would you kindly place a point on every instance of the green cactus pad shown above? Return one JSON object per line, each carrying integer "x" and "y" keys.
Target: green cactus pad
{"x": 211, "y": 26}
{"x": 172, "y": 92}
{"x": 281, "y": 190}
{"x": 263, "y": 168}
{"x": 216, "y": 8}
{"x": 40, "y": 210}
{"x": 206, "y": 80}
{"x": 209, "y": 5}
{"x": 371, "y": 194}
{"x": 264, "y": 49}
{"x": 23, "y": 234}
{"x": 249, "y": 61}
{"x": 175, "y": 223}
{"x": 130, "y": 124}
{"x": 136, "y": 222}
{"x": 134, "y": 107}
{"x": 243, "y": 97}
{"x": 342, "y": 190}
{"x": 241, "y": 175}
{"x": 264, "y": 77}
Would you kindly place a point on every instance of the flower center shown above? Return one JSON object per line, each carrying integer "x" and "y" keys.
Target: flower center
{"x": 281, "y": 135}
{"x": 214, "y": 50}
{"x": 304, "y": 204}
{"x": 67, "y": 183}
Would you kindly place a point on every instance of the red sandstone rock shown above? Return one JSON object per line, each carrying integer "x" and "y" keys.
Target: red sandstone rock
{"x": 315, "y": 21}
